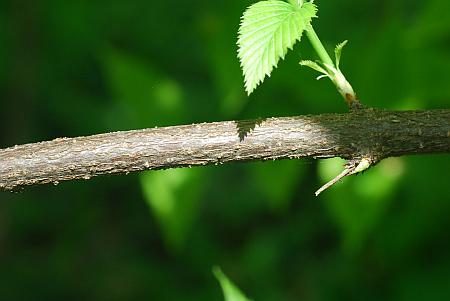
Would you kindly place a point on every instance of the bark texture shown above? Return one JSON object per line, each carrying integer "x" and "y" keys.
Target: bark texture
{"x": 367, "y": 133}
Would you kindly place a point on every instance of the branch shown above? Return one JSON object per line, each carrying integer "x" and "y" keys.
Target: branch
{"x": 368, "y": 134}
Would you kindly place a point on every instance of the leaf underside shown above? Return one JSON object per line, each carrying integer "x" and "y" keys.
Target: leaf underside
{"x": 268, "y": 30}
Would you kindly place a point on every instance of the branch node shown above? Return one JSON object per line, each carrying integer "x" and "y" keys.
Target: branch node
{"x": 353, "y": 167}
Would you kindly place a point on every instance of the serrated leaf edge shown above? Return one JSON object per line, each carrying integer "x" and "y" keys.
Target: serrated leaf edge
{"x": 269, "y": 54}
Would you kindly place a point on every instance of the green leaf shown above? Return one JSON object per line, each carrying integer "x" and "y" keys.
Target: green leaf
{"x": 268, "y": 30}
{"x": 338, "y": 52}
{"x": 230, "y": 291}
{"x": 314, "y": 66}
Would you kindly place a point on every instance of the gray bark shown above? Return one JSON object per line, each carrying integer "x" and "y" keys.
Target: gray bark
{"x": 367, "y": 133}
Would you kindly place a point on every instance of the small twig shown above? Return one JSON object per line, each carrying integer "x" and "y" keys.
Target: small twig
{"x": 342, "y": 175}
{"x": 353, "y": 168}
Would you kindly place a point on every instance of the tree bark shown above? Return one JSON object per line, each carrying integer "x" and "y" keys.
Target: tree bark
{"x": 366, "y": 133}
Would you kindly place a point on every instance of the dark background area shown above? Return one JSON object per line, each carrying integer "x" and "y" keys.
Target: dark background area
{"x": 71, "y": 68}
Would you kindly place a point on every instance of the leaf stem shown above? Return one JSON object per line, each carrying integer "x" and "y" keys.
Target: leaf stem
{"x": 332, "y": 69}
{"x": 318, "y": 47}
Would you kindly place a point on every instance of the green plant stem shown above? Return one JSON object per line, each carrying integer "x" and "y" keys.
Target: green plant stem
{"x": 333, "y": 72}
{"x": 318, "y": 47}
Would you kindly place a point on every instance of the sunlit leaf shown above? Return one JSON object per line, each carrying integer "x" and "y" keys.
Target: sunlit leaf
{"x": 230, "y": 291}
{"x": 268, "y": 30}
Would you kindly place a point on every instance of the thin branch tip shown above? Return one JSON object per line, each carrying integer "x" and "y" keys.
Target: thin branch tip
{"x": 353, "y": 167}
{"x": 342, "y": 175}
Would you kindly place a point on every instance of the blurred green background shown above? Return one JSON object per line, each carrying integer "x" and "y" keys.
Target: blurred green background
{"x": 70, "y": 68}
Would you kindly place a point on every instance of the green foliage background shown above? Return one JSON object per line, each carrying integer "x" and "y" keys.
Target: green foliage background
{"x": 70, "y": 68}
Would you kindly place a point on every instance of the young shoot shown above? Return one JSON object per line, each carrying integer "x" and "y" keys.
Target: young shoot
{"x": 270, "y": 28}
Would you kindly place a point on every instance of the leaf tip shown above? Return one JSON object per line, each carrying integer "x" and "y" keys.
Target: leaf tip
{"x": 338, "y": 52}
